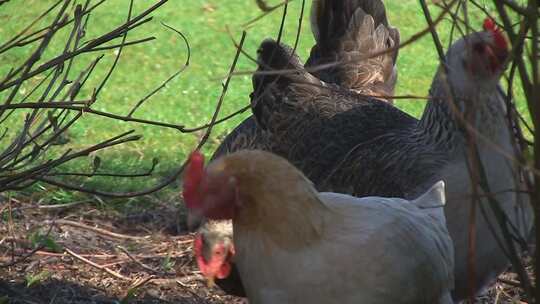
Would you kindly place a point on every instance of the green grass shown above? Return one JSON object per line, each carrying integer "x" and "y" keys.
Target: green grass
{"x": 190, "y": 99}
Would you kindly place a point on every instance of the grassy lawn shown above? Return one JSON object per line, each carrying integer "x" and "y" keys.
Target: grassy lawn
{"x": 191, "y": 98}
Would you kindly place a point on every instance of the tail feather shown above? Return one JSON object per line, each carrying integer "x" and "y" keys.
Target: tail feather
{"x": 348, "y": 33}
{"x": 433, "y": 201}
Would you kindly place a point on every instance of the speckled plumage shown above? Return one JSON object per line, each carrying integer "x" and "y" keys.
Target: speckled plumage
{"x": 349, "y": 33}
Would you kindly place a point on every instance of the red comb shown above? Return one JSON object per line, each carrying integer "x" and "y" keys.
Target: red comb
{"x": 490, "y": 26}
{"x": 192, "y": 179}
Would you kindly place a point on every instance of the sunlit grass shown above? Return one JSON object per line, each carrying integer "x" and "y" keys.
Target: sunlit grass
{"x": 190, "y": 99}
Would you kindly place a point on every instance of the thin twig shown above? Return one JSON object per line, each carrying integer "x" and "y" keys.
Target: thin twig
{"x": 88, "y": 47}
{"x": 97, "y": 266}
{"x": 118, "y": 54}
{"x": 86, "y": 109}
{"x": 140, "y": 282}
{"x": 223, "y": 92}
{"x": 63, "y": 206}
{"x": 100, "y": 231}
{"x": 189, "y": 278}
{"x": 265, "y": 12}
{"x": 173, "y": 76}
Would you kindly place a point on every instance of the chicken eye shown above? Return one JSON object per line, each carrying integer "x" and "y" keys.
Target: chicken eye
{"x": 479, "y": 48}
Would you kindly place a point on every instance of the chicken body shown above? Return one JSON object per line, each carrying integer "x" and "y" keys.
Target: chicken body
{"x": 328, "y": 247}
{"x": 498, "y": 152}
{"x": 370, "y": 250}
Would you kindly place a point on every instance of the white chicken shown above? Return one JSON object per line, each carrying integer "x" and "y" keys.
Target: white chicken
{"x": 295, "y": 245}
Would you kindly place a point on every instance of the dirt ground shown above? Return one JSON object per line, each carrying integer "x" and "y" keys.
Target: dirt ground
{"x": 82, "y": 254}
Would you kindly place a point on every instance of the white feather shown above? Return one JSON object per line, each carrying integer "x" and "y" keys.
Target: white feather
{"x": 370, "y": 250}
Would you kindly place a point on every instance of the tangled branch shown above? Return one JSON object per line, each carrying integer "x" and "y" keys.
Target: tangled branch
{"x": 54, "y": 102}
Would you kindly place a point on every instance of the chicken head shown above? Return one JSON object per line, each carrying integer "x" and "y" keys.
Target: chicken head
{"x": 477, "y": 61}
{"x": 490, "y": 53}
{"x": 213, "y": 258}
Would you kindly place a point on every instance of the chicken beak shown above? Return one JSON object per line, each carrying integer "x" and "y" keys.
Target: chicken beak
{"x": 210, "y": 282}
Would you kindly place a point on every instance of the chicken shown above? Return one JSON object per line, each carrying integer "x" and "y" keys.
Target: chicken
{"x": 295, "y": 245}
{"x": 366, "y": 147}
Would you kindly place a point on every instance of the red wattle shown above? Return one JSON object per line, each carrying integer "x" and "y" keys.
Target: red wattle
{"x": 214, "y": 267}
{"x": 224, "y": 270}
